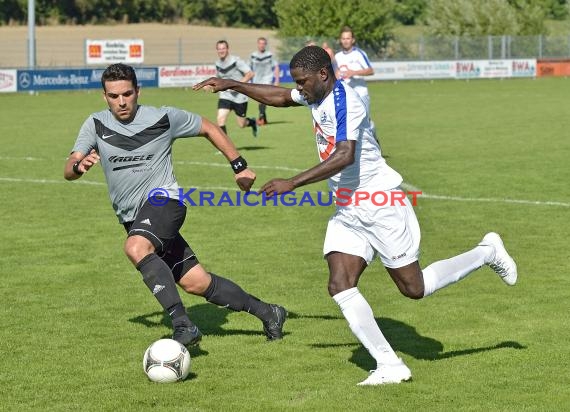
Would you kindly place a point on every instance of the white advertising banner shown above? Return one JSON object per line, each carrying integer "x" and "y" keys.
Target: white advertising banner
{"x": 184, "y": 76}
{"x": 114, "y": 51}
{"x": 8, "y": 81}
{"x": 413, "y": 70}
{"x": 454, "y": 69}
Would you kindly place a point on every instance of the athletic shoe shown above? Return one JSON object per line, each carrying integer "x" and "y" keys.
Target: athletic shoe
{"x": 395, "y": 373}
{"x": 254, "y": 128}
{"x": 262, "y": 121}
{"x": 188, "y": 335}
{"x": 274, "y": 328}
{"x": 502, "y": 263}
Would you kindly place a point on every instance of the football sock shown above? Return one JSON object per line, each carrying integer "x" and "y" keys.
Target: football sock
{"x": 361, "y": 320}
{"x": 446, "y": 272}
{"x": 262, "y": 110}
{"x": 224, "y": 292}
{"x": 158, "y": 278}
{"x": 251, "y": 122}
{"x": 224, "y": 129}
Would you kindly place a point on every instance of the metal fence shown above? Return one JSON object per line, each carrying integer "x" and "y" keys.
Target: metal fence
{"x": 191, "y": 50}
{"x": 408, "y": 48}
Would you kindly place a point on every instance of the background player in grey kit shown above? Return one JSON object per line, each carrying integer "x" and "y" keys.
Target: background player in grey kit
{"x": 266, "y": 71}
{"x": 133, "y": 143}
{"x": 232, "y": 67}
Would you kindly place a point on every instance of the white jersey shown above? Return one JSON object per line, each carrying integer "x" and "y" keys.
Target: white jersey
{"x": 356, "y": 59}
{"x": 342, "y": 116}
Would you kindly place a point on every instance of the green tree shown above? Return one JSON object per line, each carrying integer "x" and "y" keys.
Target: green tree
{"x": 371, "y": 20}
{"x": 12, "y": 11}
{"x": 409, "y": 12}
{"x": 485, "y": 17}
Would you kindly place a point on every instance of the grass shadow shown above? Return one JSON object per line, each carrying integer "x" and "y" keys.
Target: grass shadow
{"x": 208, "y": 317}
{"x": 404, "y": 338}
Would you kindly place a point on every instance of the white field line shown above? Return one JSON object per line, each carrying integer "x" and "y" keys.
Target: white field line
{"x": 405, "y": 186}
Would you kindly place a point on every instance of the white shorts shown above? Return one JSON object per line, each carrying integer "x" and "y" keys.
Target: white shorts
{"x": 390, "y": 232}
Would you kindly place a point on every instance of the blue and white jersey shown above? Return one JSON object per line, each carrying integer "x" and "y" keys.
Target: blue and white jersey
{"x": 356, "y": 59}
{"x": 342, "y": 116}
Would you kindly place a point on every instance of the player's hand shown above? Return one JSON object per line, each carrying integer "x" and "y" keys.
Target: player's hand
{"x": 245, "y": 179}
{"x": 89, "y": 161}
{"x": 213, "y": 84}
{"x": 276, "y": 187}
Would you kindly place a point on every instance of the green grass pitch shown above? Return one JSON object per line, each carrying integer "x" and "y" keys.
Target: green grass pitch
{"x": 75, "y": 317}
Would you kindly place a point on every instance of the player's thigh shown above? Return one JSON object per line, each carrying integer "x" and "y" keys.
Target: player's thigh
{"x": 240, "y": 110}
{"x": 224, "y": 107}
{"x": 158, "y": 224}
{"x": 393, "y": 231}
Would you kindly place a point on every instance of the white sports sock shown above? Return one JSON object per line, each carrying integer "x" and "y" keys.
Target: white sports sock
{"x": 446, "y": 272}
{"x": 361, "y": 320}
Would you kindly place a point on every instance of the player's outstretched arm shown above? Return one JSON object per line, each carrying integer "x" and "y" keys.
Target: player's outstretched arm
{"x": 244, "y": 176}
{"x": 77, "y": 164}
{"x": 342, "y": 156}
{"x": 264, "y": 93}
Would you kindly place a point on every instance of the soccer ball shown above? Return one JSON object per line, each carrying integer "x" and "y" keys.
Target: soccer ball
{"x": 166, "y": 360}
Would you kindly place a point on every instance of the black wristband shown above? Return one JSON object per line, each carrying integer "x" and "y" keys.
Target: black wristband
{"x": 238, "y": 165}
{"x": 76, "y": 168}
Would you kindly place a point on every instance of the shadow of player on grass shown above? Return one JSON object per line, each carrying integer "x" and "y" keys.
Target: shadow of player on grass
{"x": 404, "y": 338}
{"x": 209, "y": 319}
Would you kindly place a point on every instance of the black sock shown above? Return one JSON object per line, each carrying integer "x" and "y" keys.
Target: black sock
{"x": 158, "y": 278}
{"x": 224, "y": 292}
{"x": 262, "y": 111}
{"x": 251, "y": 122}
{"x": 224, "y": 129}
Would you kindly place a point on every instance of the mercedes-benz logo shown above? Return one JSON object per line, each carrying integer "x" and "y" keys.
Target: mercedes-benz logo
{"x": 25, "y": 80}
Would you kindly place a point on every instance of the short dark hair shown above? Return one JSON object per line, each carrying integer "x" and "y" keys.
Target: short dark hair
{"x": 312, "y": 59}
{"x": 119, "y": 71}
{"x": 222, "y": 42}
{"x": 347, "y": 29}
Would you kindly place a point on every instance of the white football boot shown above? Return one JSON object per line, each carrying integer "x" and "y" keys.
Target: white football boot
{"x": 502, "y": 263}
{"x": 388, "y": 373}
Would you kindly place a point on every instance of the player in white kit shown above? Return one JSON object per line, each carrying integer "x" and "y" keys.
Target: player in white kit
{"x": 351, "y": 160}
{"x": 352, "y": 65}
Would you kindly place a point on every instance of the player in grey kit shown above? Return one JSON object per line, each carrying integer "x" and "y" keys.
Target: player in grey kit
{"x": 232, "y": 67}
{"x": 266, "y": 71}
{"x": 133, "y": 143}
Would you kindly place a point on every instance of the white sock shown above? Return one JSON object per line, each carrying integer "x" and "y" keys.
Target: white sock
{"x": 361, "y": 320}
{"x": 446, "y": 272}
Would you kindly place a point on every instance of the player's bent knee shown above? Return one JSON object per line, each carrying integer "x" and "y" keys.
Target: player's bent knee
{"x": 137, "y": 247}
{"x": 195, "y": 281}
{"x": 337, "y": 286}
{"x": 413, "y": 291}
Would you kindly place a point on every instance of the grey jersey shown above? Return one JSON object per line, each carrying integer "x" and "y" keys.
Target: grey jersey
{"x": 262, "y": 64}
{"x": 137, "y": 157}
{"x": 232, "y": 67}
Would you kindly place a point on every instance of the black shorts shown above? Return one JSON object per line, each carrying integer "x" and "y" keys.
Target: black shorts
{"x": 240, "y": 109}
{"x": 161, "y": 226}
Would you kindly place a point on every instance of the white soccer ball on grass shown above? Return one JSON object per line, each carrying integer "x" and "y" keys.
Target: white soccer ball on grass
{"x": 166, "y": 360}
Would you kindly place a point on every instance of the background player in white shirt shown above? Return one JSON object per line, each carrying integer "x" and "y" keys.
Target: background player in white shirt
{"x": 351, "y": 159}
{"x": 352, "y": 65}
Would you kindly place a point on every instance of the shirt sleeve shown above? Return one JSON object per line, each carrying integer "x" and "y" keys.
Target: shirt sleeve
{"x": 87, "y": 138}
{"x": 183, "y": 123}
{"x": 243, "y": 67}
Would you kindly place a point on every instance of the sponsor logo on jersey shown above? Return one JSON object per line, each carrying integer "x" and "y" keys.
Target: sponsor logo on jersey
{"x": 129, "y": 161}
